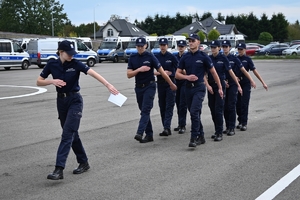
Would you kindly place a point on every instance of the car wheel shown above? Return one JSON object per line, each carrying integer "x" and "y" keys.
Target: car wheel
{"x": 25, "y": 65}
{"x": 7, "y": 68}
{"x": 267, "y": 53}
{"x": 294, "y": 53}
{"x": 116, "y": 59}
{"x": 91, "y": 62}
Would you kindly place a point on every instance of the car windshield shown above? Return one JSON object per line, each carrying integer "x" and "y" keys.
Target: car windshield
{"x": 108, "y": 45}
{"x": 131, "y": 44}
{"x": 268, "y": 46}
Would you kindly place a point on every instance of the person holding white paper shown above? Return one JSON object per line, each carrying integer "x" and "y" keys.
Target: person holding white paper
{"x": 141, "y": 66}
{"x": 65, "y": 72}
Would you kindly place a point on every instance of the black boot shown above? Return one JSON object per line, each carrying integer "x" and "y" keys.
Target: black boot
{"x": 218, "y": 137}
{"x": 56, "y": 174}
{"x": 192, "y": 143}
{"x": 83, "y": 167}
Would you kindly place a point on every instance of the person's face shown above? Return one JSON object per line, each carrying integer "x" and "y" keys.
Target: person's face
{"x": 163, "y": 47}
{"x": 141, "y": 49}
{"x": 181, "y": 49}
{"x": 65, "y": 56}
{"x": 215, "y": 50}
{"x": 241, "y": 51}
{"x": 194, "y": 44}
{"x": 226, "y": 49}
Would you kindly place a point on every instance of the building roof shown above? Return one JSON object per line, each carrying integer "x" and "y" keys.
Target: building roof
{"x": 211, "y": 23}
{"x": 194, "y": 27}
{"x": 125, "y": 29}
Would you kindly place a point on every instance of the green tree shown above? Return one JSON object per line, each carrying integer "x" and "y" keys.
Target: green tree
{"x": 206, "y": 15}
{"x": 294, "y": 31}
{"x": 220, "y": 17}
{"x": 213, "y": 35}
{"x": 279, "y": 27}
{"x": 202, "y": 36}
{"x": 265, "y": 37}
{"x": 32, "y": 16}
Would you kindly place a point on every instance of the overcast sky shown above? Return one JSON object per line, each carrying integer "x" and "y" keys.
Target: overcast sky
{"x": 80, "y": 12}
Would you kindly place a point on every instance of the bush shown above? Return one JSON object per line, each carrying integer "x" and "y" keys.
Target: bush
{"x": 265, "y": 37}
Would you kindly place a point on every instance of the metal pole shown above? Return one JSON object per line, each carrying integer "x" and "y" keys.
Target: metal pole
{"x": 94, "y": 26}
{"x": 52, "y": 25}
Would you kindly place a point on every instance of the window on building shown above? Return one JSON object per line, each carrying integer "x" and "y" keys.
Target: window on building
{"x": 110, "y": 32}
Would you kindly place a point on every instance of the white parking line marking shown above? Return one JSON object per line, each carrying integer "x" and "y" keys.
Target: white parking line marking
{"x": 280, "y": 185}
{"x": 40, "y": 90}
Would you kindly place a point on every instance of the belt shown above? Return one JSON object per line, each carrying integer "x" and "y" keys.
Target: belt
{"x": 193, "y": 84}
{"x": 63, "y": 95}
{"x": 141, "y": 85}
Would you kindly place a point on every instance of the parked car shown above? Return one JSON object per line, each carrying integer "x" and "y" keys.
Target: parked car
{"x": 207, "y": 50}
{"x": 293, "y": 50}
{"x": 250, "y": 50}
{"x": 255, "y": 44}
{"x": 294, "y": 42}
{"x": 272, "y": 49}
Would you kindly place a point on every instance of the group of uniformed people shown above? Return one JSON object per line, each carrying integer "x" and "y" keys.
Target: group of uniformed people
{"x": 181, "y": 80}
{"x": 191, "y": 73}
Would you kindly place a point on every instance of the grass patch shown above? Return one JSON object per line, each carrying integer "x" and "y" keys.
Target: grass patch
{"x": 264, "y": 57}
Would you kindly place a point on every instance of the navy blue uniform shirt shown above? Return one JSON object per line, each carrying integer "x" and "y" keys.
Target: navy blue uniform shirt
{"x": 247, "y": 64}
{"x": 138, "y": 60}
{"x": 68, "y": 72}
{"x": 195, "y": 63}
{"x": 221, "y": 64}
{"x": 169, "y": 62}
{"x": 236, "y": 65}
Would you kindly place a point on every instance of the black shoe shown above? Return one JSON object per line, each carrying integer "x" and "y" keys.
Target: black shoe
{"x": 218, "y": 137}
{"x": 177, "y": 128}
{"x": 181, "y": 130}
{"x": 200, "y": 140}
{"x": 192, "y": 143}
{"x": 166, "y": 132}
{"x": 231, "y": 132}
{"x": 239, "y": 126}
{"x": 147, "y": 139}
{"x": 83, "y": 167}
{"x": 138, "y": 137}
{"x": 226, "y": 131}
{"x": 56, "y": 174}
{"x": 244, "y": 128}
{"x": 213, "y": 136}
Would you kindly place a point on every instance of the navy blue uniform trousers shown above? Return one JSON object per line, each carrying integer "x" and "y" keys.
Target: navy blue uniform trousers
{"x": 242, "y": 105}
{"x": 230, "y": 106}
{"x": 194, "y": 99}
{"x": 69, "y": 113}
{"x": 166, "y": 101}
{"x": 181, "y": 102}
{"x": 216, "y": 105}
{"x": 145, "y": 97}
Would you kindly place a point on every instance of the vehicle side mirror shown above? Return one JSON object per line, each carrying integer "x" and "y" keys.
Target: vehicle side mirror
{"x": 173, "y": 47}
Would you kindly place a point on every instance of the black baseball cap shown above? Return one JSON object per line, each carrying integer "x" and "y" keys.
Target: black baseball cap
{"x": 68, "y": 47}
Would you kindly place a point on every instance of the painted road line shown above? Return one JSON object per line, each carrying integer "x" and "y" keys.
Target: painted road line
{"x": 280, "y": 185}
{"x": 40, "y": 91}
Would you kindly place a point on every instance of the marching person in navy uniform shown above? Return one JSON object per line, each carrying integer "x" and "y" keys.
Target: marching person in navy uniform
{"x": 196, "y": 63}
{"x": 215, "y": 102}
{"x": 180, "y": 92}
{"x": 242, "y": 105}
{"x": 166, "y": 96}
{"x": 65, "y": 72}
{"x": 141, "y": 66}
{"x": 232, "y": 89}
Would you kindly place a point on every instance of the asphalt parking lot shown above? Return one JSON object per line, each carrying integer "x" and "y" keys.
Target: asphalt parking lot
{"x": 240, "y": 167}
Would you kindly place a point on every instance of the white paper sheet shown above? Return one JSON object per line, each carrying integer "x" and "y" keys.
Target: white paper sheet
{"x": 118, "y": 99}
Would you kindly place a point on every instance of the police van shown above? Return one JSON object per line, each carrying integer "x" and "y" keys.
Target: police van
{"x": 131, "y": 48}
{"x": 113, "y": 48}
{"x": 172, "y": 43}
{"x": 12, "y": 55}
{"x": 44, "y": 49}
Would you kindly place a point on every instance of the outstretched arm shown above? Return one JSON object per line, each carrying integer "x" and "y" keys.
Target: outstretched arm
{"x": 102, "y": 80}
{"x": 260, "y": 78}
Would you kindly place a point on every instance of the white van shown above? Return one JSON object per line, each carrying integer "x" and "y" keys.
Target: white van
{"x": 131, "y": 48}
{"x": 87, "y": 41}
{"x": 12, "y": 55}
{"x": 113, "y": 48}
{"x": 172, "y": 43}
{"x": 44, "y": 49}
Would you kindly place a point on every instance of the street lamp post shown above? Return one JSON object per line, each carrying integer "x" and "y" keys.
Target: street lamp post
{"x": 52, "y": 24}
{"x": 95, "y": 22}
